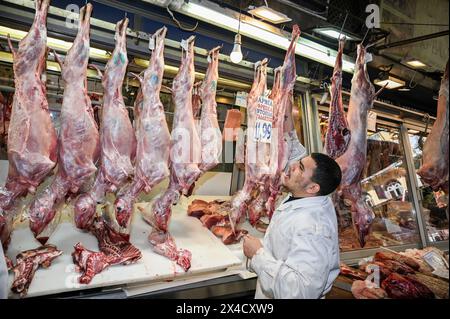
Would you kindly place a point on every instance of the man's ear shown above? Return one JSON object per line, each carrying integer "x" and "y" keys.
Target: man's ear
{"x": 313, "y": 188}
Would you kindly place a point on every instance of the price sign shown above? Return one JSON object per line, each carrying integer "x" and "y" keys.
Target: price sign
{"x": 241, "y": 99}
{"x": 372, "y": 121}
{"x": 264, "y": 119}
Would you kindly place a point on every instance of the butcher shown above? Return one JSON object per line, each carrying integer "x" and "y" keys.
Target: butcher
{"x": 299, "y": 256}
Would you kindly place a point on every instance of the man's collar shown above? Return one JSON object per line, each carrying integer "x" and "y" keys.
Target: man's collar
{"x": 303, "y": 202}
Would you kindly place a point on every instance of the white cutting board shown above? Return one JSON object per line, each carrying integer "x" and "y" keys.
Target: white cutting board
{"x": 208, "y": 254}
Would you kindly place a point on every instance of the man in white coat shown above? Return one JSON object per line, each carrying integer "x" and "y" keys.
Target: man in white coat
{"x": 299, "y": 257}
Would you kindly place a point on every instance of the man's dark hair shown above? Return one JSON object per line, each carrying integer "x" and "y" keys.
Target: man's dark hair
{"x": 327, "y": 173}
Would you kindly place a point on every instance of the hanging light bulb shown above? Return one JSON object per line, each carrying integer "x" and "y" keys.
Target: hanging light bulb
{"x": 236, "y": 54}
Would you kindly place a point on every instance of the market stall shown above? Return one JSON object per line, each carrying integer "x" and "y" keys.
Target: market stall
{"x": 133, "y": 179}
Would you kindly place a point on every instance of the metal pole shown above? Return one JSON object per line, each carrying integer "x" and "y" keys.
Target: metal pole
{"x": 413, "y": 185}
{"x": 311, "y": 112}
{"x": 412, "y": 40}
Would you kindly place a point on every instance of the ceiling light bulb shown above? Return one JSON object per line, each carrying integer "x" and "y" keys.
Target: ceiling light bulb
{"x": 236, "y": 54}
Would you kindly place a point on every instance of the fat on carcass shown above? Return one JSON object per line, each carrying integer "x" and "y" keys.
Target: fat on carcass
{"x": 338, "y": 135}
{"x": 185, "y": 156}
{"x": 32, "y": 140}
{"x": 117, "y": 138}
{"x": 152, "y": 134}
{"x": 286, "y": 146}
{"x": 78, "y": 143}
{"x": 434, "y": 170}
{"x": 27, "y": 262}
{"x": 210, "y": 135}
{"x": 353, "y": 161}
{"x": 257, "y": 157}
{"x": 257, "y": 207}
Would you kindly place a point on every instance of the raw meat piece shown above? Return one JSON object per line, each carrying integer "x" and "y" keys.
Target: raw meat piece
{"x": 152, "y": 134}
{"x": 338, "y": 135}
{"x": 241, "y": 149}
{"x": 78, "y": 139}
{"x": 283, "y": 122}
{"x": 351, "y": 272}
{"x": 32, "y": 140}
{"x": 197, "y": 208}
{"x": 117, "y": 139}
{"x": 387, "y": 255}
{"x": 210, "y": 135}
{"x": 196, "y": 104}
{"x": 226, "y": 233}
{"x": 257, "y": 207}
{"x": 27, "y": 264}
{"x": 353, "y": 161}
{"x": 438, "y": 286}
{"x": 115, "y": 245}
{"x": 211, "y": 219}
{"x": 88, "y": 262}
{"x": 363, "y": 290}
{"x": 232, "y": 125}
{"x": 185, "y": 155}
{"x": 164, "y": 244}
{"x": 434, "y": 170}
{"x": 5, "y": 117}
{"x": 257, "y": 153}
{"x": 400, "y": 287}
{"x": 114, "y": 249}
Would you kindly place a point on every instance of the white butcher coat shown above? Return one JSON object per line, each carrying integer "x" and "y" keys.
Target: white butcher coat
{"x": 300, "y": 254}
{"x": 3, "y": 275}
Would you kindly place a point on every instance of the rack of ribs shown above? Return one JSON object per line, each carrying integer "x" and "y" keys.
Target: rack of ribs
{"x": 27, "y": 262}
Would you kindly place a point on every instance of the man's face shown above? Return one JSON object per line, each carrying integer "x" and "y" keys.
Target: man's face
{"x": 297, "y": 179}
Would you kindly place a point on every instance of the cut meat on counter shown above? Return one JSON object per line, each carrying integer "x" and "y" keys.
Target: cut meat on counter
{"x": 353, "y": 161}
{"x": 434, "y": 170}
{"x": 117, "y": 138}
{"x": 361, "y": 289}
{"x": 78, "y": 143}
{"x": 185, "y": 156}
{"x": 227, "y": 234}
{"x": 197, "y": 208}
{"x": 152, "y": 133}
{"x": 32, "y": 140}
{"x": 387, "y": 255}
{"x": 352, "y": 272}
{"x": 400, "y": 287}
{"x": 27, "y": 264}
{"x": 338, "y": 134}
{"x": 114, "y": 249}
{"x": 438, "y": 286}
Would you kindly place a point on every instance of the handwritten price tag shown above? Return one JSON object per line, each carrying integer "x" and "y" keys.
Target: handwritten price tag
{"x": 264, "y": 119}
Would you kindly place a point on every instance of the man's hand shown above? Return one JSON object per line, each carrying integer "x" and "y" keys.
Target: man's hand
{"x": 251, "y": 246}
